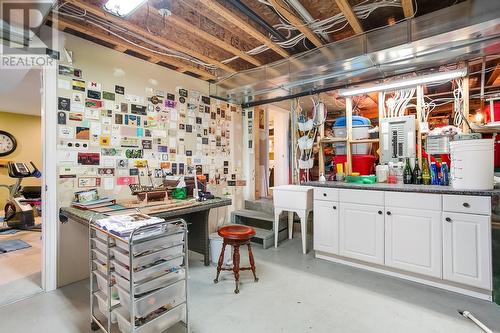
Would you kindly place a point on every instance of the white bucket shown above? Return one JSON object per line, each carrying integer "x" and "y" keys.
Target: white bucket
{"x": 358, "y": 132}
{"x": 472, "y": 164}
{"x": 216, "y": 247}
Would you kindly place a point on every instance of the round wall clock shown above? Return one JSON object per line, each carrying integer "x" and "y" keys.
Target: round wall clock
{"x": 8, "y": 143}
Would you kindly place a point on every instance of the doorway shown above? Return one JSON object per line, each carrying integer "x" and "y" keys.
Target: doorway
{"x": 21, "y": 165}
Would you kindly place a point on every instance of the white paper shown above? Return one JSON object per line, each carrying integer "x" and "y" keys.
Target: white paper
{"x": 92, "y": 114}
{"x": 63, "y": 84}
{"x": 66, "y": 132}
{"x": 95, "y": 128}
{"x": 108, "y": 162}
{"x": 67, "y": 157}
{"x": 108, "y": 183}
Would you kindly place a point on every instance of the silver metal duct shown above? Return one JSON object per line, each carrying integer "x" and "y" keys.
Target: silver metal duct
{"x": 467, "y": 30}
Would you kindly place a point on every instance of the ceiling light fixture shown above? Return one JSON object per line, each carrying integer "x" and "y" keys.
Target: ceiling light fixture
{"x": 123, "y": 8}
{"x": 404, "y": 83}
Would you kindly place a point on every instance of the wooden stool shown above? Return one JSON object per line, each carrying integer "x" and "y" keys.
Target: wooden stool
{"x": 236, "y": 235}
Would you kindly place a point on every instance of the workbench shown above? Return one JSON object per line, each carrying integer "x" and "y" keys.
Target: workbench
{"x": 196, "y": 217}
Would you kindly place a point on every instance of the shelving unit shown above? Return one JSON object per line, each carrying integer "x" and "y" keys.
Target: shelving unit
{"x": 139, "y": 284}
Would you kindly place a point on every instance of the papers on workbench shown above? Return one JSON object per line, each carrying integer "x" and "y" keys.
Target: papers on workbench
{"x": 124, "y": 225}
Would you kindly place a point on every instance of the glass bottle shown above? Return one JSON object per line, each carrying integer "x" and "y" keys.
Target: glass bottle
{"x": 426, "y": 173}
{"x": 417, "y": 174}
{"x": 407, "y": 172}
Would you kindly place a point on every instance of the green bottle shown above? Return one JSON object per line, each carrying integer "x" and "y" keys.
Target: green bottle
{"x": 417, "y": 174}
{"x": 426, "y": 173}
{"x": 407, "y": 173}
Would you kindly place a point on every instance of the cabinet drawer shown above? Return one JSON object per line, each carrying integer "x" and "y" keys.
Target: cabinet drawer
{"x": 325, "y": 193}
{"x": 413, "y": 200}
{"x": 362, "y": 197}
{"x": 467, "y": 204}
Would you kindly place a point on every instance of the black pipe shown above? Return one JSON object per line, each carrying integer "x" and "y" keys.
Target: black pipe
{"x": 256, "y": 18}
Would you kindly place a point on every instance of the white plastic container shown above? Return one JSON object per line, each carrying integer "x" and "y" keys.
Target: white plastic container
{"x": 307, "y": 164}
{"x": 150, "y": 285}
{"x": 102, "y": 303}
{"x": 216, "y": 247}
{"x": 472, "y": 164}
{"x": 170, "y": 297}
{"x": 154, "y": 244}
{"x": 147, "y": 259}
{"x": 99, "y": 255}
{"x": 358, "y": 132}
{"x": 150, "y": 272}
{"x": 100, "y": 266}
{"x": 99, "y": 244}
{"x": 159, "y": 324}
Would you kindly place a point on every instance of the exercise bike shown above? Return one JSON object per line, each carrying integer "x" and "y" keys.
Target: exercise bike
{"x": 18, "y": 211}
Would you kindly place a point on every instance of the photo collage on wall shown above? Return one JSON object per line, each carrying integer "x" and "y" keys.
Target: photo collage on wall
{"x": 109, "y": 137}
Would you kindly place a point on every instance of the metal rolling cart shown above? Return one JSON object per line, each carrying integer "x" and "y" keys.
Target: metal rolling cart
{"x": 139, "y": 282}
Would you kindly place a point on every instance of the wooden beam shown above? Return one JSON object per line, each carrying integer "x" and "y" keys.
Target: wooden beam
{"x": 408, "y": 9}
{"x": 161, "y": 40}
{"x": 183, "y": 24}
{"x": 494, "y": 75}
{"x": 282, "y": 9}
{"x": 62, "y": 23}
{"x": 351, "y": 17}
{"x": 247, "y": 28}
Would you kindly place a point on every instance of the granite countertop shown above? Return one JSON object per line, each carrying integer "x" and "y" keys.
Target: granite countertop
{"x": 85, "y": 216}
{"x": 403, "y": 188}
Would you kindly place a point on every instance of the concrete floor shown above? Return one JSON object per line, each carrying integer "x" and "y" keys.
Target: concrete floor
{"x": 20, "y": 271}
{"x": 295, "y": 293}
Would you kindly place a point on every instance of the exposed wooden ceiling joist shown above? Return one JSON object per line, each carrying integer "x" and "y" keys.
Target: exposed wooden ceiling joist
{"x": 161, "y": 40}
{"x": 408, "y": 9}
{"x": 351, "y": 17}
{"x": 247, "y": 28}
{"x": 183, "y": 24}
{"x": 494, "y": 75}
{"x": 296, "y": 22}
{"x": 121, "y": 46}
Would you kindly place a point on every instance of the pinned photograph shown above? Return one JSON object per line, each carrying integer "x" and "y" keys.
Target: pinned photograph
{"x": 88, "y": 158}
{"x": 124, "y": 107}
{"x": 76, "y": 116}
{"x": 120, "y": 90}
{"x": 63, "y": 104}
{"x": 93, "y": 94}
{"x": 78, "y": 85}
{"x": 61, "y": 118}
{"x": 94, "y": 86}
{"x": 82, "y": 133}
{"x": 108, "y": 95}
{"x": 93, "y": 103}
{"x": 122, "y": 164}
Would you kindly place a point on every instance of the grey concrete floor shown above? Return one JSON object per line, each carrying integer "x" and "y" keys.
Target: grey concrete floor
{"x": 295, "y": 293}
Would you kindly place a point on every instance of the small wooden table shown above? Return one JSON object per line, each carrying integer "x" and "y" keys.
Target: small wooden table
{"x": 196, "y": 217}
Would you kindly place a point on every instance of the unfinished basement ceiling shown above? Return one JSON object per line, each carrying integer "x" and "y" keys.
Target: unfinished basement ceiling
{"x": 200, "y": 37}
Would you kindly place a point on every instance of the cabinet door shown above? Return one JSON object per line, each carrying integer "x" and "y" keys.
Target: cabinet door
{"x": 467, "y": 249}
{"x": 413, "y": 240}
{"x": 361, "y": 232}
{"x": 326, "y": 226}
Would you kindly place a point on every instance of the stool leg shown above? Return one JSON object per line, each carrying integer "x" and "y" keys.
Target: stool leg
{"x": 221, "y": 260}
{"x": 236, "y": 267}
{"x": 252, "y": 262}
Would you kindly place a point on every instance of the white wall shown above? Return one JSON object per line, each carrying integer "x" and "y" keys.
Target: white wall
{"x": 281, "y": 131}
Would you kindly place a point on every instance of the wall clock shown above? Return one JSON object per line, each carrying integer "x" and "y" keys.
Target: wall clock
{"x": 8, "y": 143}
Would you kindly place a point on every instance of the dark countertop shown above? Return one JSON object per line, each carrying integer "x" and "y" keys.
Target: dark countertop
{"x": 85, "y": 216}
{"x": 403, "y": 188}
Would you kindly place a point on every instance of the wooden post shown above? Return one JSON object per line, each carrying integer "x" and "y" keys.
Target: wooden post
{"x": 420, "y": 97}
{"x": 348, "y": 114}
{"x": 321, "y": 152}
{"x": 465, "y": 101}
{"x": 293, "y": 139}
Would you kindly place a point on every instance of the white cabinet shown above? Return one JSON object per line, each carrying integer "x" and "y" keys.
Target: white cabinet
{"x": 413, "y": 240}
{"x": 361, "y": 232}
{"x": 326, "y": 226}
{"x": 466, "y": 249}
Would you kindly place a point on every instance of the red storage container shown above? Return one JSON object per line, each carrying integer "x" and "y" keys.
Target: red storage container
{"x": 364, "y": 164}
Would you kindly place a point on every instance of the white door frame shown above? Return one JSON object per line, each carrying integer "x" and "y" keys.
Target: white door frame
{"x": 50, "y": 216}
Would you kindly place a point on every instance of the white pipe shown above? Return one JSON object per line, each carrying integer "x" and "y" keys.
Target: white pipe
{"x": 476, "y": 321}
{"x": 306, "y": 16}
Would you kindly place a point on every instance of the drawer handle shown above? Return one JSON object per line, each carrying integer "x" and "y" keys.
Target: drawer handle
{"x": 466, "y": 205}
{"x": 334, "y": 207}
{"x": 324, "y": 194}
{"x": 389, "y": 213}
{"x": 379, "y": 212}
{"x": 448, "y": 219}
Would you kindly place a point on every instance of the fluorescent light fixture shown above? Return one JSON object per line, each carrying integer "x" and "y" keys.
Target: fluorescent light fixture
{"x": 405, "y": 83}
{"x": 122, "y": 7}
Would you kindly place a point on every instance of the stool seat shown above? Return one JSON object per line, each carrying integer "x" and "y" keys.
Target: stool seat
{"x": 236, "y": 232}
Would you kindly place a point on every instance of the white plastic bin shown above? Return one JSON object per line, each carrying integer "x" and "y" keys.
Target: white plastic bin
{"x": 358, "y": 132}
{"x": 154, "y": 244}
{"x": 159, "y": 324}
{"x": 150, "y": 272}
{"x": 472, "y": 164}
{"x": 99, "y": 244}
{"x": 150, "y": 285}
{"x": 216, "y": 247}
{"x": 169, "y": 297}
{"x": 102, "y": 303}
{"x": 123, "y": 257}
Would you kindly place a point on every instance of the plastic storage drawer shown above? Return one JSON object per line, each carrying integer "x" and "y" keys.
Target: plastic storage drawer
{"x": 154, "y": 244}
{"x": 150, "y": 285}
{"x": 150, "y": 272}
{"x": 170, "y": 296}
{"x": 102, "y": 303}
{"x": 100, "y": 266}
{"x": 148, "y": 259}
{"x": 99, "y": 244}
{"x": 159, "y": 324}
{"x": 99, "y": 255}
